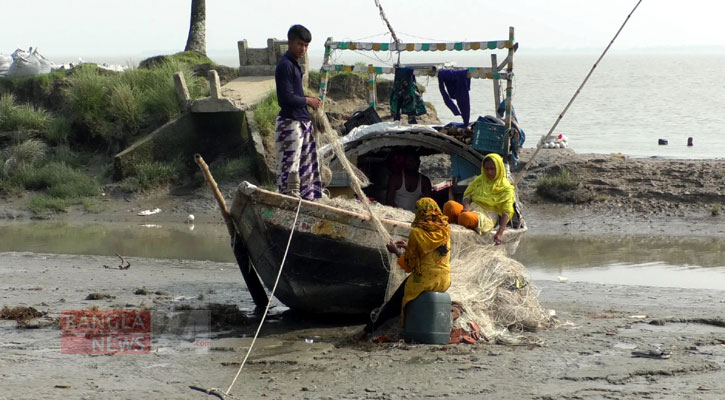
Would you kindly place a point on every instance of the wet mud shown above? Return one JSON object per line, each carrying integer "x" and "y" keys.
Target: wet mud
{"x": 587, "y": 355}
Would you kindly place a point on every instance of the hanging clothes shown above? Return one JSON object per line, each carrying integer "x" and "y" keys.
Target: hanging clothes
{"x": 405, "y": 97}
{"x": 455, "y": 85}
{"x": 518, "y": 137}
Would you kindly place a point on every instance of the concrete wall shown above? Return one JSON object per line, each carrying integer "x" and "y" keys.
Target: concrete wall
{"x": 209, "y": 134}
{"x": 262, "y": 61}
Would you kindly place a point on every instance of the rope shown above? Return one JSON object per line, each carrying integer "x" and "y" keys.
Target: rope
{"x": 266, "y": 310}
{"x": 368, "y": 37}
{"x": 556, "y": 123}
{"x": 425, "y": 38}
{"x": 329, "y": 135}
{"x": 390, "y": 27}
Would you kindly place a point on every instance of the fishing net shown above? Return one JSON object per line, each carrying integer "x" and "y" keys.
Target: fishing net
{"x": 492, "y": 290}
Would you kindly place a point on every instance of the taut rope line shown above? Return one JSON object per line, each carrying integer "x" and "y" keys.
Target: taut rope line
{"x": 266, "y": 310}
{"x": 556, "y": 123}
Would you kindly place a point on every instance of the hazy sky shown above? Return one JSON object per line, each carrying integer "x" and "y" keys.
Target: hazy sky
{"x": 139, "y": 28}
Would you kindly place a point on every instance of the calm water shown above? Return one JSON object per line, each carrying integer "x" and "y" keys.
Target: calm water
{"x": 627, "y": 105}
{"x": 630, "y": 102}
{"x": 627, "y": 260}
{"x": 659, "y": 261}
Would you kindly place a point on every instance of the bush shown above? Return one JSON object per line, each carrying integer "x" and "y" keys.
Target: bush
{"x": 266, "y": 114}
{"x": 59, "y": 131}
{"x": 28, "y": 152}
{"x": 7, "y": 107}
{"x": 63, "y": 154}
{"x": 87, "y": 98}
{"x": 125, "y": 105}
{"x": 162, "y": 102}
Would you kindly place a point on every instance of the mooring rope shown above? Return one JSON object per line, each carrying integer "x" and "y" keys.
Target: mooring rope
{"x": 269, "y": 302}
{"x": 556, "y": 123}
{"x": 330, "y": 136}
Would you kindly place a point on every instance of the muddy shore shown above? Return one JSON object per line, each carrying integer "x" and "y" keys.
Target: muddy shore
{"x": 589, "y": 354}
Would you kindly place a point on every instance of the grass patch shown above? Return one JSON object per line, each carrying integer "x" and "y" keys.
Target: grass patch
{"x": 88, "y": 102}
{"x": 560, "y": 181}
{"x": 125, "y": 105}
{"x": 231, "y": 169}
{"x": 266, "y": 114}
{"x": 28, "y": 152}
{"x": 112, "y": 109}
{"x": 149, "y": 175}
{"x": 715, "y": 210}
{"x": 42, "y": 204}
{"x": 63, "y": 185}
{"x": 59, "y": 130}
{"x": 560, "y": 187}
{"x": 14, "y": 117}
{"x": 189, "y": 58}
{"x": 57, "y": 178}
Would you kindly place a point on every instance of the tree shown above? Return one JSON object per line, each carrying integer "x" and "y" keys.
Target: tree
{"x": 197, "y": 27}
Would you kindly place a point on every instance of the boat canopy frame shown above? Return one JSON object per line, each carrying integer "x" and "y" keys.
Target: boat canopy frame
{"x": 496, "y": 72}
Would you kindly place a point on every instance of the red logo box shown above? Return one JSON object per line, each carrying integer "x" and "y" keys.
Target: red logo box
{"x": 105, "y": 331}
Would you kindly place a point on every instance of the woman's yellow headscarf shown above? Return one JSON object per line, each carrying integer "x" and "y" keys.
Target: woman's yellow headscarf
{"x": 496, "y": 194}
{"x": 430, "y": 231}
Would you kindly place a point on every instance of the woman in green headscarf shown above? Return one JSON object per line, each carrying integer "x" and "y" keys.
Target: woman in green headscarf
{"x": 488, "y": 199}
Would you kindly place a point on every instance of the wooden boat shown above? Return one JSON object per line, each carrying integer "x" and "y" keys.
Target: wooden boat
{"x": 336, "y": 261}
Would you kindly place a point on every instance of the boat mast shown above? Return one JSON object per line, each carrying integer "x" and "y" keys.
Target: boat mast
{"x": 390, "y": 28}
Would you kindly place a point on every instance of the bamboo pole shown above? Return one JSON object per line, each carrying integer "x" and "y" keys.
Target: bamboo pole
{"x": 509, "y": 93}
{"x": 579, "y": 89}
{"x": 496, "y": 84}
{"x": 217, "y": 194}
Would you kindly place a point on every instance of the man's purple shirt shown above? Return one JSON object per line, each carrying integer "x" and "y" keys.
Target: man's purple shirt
{"x": 290, "y": 95}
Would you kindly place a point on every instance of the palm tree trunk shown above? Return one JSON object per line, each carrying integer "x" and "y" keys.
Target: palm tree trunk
{"x": 197, "y": 27}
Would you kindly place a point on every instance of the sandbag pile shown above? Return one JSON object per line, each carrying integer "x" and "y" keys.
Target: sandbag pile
{"x": 25, "y": 63}
{"x": 5, "y": 62}
{"x": 29, "y": 63}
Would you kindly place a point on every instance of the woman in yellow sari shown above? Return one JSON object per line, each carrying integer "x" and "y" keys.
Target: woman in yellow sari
{"x": 426, "y": 257}
{"x": 487, "y": 200}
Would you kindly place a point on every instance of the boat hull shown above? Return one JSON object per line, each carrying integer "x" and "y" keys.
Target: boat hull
{"x": 336, "y": 261}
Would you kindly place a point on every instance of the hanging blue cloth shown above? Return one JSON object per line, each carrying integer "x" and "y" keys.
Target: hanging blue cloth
{"x": 455, "y": 84}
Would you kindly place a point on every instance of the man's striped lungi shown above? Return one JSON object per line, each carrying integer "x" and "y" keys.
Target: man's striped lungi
{"x": 296, "y": 150}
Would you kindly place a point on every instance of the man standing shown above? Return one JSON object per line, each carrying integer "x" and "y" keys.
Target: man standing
{"x": 298, "y": 171}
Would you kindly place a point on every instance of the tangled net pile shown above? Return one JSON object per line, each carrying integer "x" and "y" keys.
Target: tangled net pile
{"x": 493, "y": 290}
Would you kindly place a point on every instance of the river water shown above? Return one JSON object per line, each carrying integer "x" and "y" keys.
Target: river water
{"x": 630, "y": 101}
{"x": 630, "y": 260}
